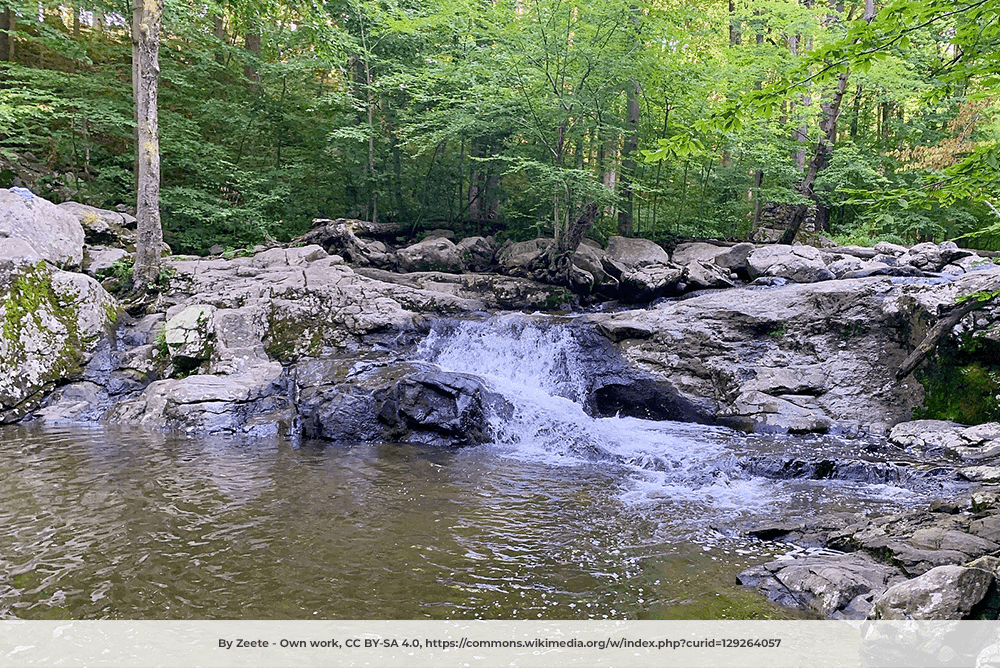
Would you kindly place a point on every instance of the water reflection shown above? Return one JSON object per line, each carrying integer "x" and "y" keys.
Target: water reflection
{"x": 107, "y": 523}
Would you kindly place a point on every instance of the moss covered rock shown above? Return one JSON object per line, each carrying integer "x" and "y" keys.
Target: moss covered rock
{"x": 51, "y": 322}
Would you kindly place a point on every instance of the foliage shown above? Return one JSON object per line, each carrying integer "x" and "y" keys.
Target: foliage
{"x": 506, "y": 118}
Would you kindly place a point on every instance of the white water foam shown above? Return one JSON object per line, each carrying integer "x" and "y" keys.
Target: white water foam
{"x": 540, "y": 369}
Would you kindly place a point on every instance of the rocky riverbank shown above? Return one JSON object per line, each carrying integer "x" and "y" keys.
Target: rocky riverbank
{"x": 317, "y": 340}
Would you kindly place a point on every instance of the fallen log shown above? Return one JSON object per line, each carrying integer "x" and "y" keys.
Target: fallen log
{"x": 941, "y": 328}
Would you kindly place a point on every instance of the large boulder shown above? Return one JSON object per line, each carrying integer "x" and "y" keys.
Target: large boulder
{"x": 643, "y": 283}
{"x": 352, "y": 400}
{"x": 255, "y": 401}
{"x": 338, "y": 237}
{"x": 53, "y": 233}
{"x": 52, "y": 322}
{"x": 434, "y": 254}
{"x": 945, "y": 592}
{"x": 635, "y": 252}
{"x": 190, "y": 336}
{"x": 477, "y": 252}
{"x": 802, "y": 264}
{"x": 524, "y": 257}
{"x": 806, "y": 357}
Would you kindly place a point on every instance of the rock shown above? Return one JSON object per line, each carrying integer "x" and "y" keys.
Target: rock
{"x": 687, "y": 253}
{"x": 102, "y": 227}
{"x": 591, "y": 259}
{"x": 925, "y": 257}
{"x": 700, "y": 275}
{"x": 255, "y": 401}
{"x": 836, "y": 586}
{"x": 802, "y": 264}
{"x": 53, "y": 323}
{"x": 98, "y": 259}
{"x": 479, "y": 292}
{"x": 791, "y": 414}
{"x": 360, "y": 401}
{"x": 647, "y": 282}
{"x": 845, "y": 265}
{"x": 477, "y": 253}
{"x": 432, "y": 254}
{"x": 933, "y": 436}
{"x": 735, "y": 259}
{"x": 886, "y": 248}
{"x": 53, "y": 233}
{"x": 522, "y": 258}
{"x": 190, "y": 335}
{"x": 438, "y": 408}
{"x": 836, "y": 336}
{"x": 945, "y": 592}
{"x": 979, "y": 444}
{"x": 632, "y": 253}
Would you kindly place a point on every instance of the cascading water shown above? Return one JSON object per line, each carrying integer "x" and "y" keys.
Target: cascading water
{"x": 541, "y": 368}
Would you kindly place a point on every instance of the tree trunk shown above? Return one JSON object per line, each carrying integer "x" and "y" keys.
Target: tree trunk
{"x": 938, "y": 332}
{"x": 562, "y": 251}
{"x": 251, "y": 42}
{"x": 625, "y": 212}
{"x": 823, "y": 153}
{"x": 8, "y": 24}
{"x": 147, "y": 16}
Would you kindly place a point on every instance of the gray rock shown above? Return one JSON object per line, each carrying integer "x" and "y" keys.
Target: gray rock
{"x": 255, "y": 401}
{"x": 433, "y": 254}
{"x": 802, "y": 264}
{"x": 845, "y": 265}
{"x": 886, "y": 248}
{"x": 631, "y": 253}
{"x": 53, "y": 233}
{"x": 358, "y": 401}
{"x": 700, "y": 275}
{"x": 338, "y": 237}
{"x": 522, "y": 258}
{"x": 687, "y": 253}
{"x": 98, "y": 259}
{"x": 926, "y": 257}
{"x": 945, "y": 592}
{"x": 477, "y": 253}
{"x": 836, "y": 586}
{"x": 647, "y": 282}
{"x": 190, "y": 336}
{"x": 735, "y": 259}
{"x": 54, "y": 321}
{"x": 591, "y": 260}
{"x": 103, "y": 227}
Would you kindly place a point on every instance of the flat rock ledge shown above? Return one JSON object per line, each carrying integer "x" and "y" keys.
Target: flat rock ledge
{"x": 941, "y": 562}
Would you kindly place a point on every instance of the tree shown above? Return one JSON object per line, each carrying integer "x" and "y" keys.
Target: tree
{"x": 147, "y": 16}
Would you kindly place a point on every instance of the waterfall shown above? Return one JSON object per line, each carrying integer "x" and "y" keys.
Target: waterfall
{"x": 542, "y": 369}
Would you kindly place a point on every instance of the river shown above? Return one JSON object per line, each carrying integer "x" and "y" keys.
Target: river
{"x": 563, "y": 516}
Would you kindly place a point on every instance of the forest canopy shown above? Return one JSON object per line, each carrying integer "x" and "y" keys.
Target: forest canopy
{"x": 874, "y": 121}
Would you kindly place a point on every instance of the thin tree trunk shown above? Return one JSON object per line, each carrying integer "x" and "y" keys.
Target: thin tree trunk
{"x": 823, "y": 153}
{"x": 147, "y": 17}
{"x": 8, "y": 24}
{"x": 938, "y": 332}
{"x": 625, "y": 212}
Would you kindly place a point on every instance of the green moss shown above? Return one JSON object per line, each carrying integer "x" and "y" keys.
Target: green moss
{"x": 962, "y": 381}
{"x": 28, "y": 300}
{"x": 288, "y": 339}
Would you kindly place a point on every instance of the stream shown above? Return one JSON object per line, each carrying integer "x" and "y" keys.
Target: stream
{"x": 562, "y": 516}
